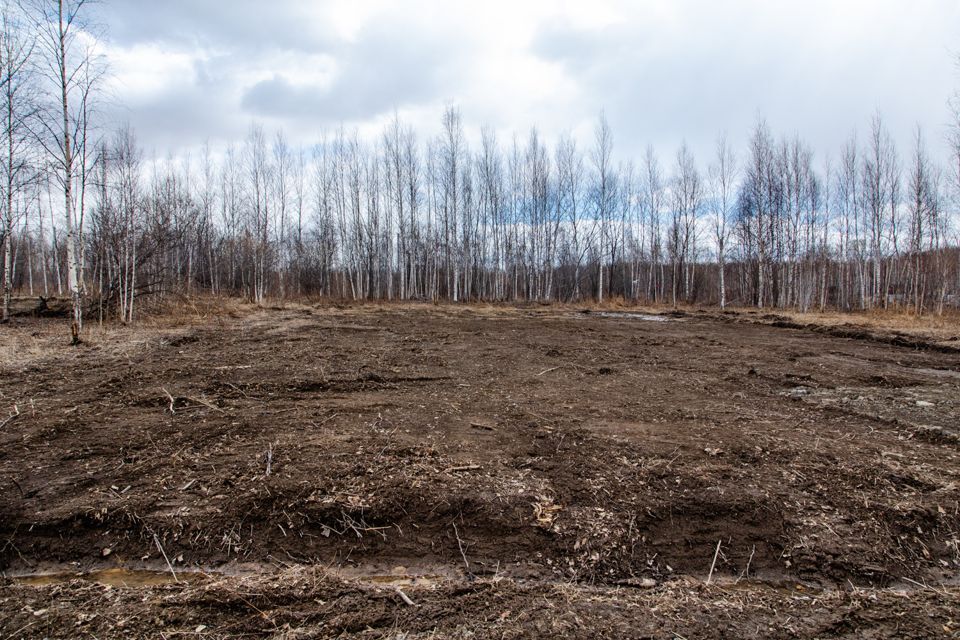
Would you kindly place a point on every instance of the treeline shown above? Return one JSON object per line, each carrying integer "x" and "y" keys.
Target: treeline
{"x": 406, "y": 216}
{"x": 403, "y": 218}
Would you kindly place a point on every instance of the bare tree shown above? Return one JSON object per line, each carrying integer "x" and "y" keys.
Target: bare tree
{"x": 847, "y": 194}
{"x": 127, "y": 159}
{"x": 18, "y": 104}
{"x": 451, "y": 147}
{"x": 259, "y": 173}
{"x": 654, "y": 195}
{"x": 919, "y": 197}
{"x": 878, "y": 194}
{"x": 761, "y": 194}
{"x": 490, "y": 188}
{"x": 569, "y": 195}
{"x": 281, "y": 184}
{"x": 687, "y": 200}
{"x": 72, "y": 69}
{"x": 722, "y": 177}
{"x": 604, "y": 191}
{"x": 954, "y": 146}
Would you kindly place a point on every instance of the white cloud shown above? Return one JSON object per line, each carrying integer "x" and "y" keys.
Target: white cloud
{"x": 663, "y": 70}
{"x": 146, "y": 70}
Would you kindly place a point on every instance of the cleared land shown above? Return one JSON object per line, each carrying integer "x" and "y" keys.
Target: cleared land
{"x": 312, "y": 471}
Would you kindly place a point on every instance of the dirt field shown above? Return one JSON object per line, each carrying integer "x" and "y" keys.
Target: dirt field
{"x": 456, "y": 472}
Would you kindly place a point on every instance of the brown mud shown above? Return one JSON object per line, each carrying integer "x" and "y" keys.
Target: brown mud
{"x": 513, "y": 473}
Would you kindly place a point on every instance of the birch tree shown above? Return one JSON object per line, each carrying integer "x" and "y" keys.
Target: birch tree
{"x": 18, "y": 104}
{"x": 722, "y": 176}
{"x": 687, "y": 198}
{"x": 604, "y": 192}
{"x": 72, "y": 70}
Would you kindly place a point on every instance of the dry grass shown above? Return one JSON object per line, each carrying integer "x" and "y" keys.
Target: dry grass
{"x": 938, "y": 328}
{"x": 29, "y": 342}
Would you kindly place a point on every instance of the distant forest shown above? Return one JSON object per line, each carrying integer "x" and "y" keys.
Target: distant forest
{"x": 408, "y": 215}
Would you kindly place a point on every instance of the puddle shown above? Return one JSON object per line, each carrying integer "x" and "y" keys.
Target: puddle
{"x": 398, "y": 576}
{"x": 398, "y": 581}
{"x": 782, "y": 586}
{"x": 117, "y": 577}
{"x": 647, "y": 317}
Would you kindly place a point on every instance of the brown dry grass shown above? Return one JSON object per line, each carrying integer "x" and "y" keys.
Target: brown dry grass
{"x": 938, "y": 328}
{"x": 904, "y": 320}
{"x": 27, "y": 342}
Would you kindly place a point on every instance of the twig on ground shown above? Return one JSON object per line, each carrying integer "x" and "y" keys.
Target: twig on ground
{"x": 467, "y": 467}
{"x": 746, "y": 572}
{"x": 172, "y": 401}
{"x": 674, "y": 458}
{"x": 205, "y": 403}
{"x": 16, "y": 412}
{"x": 22, "y": 629}
{"x": 561, "y": 366}
{"x": 406, "y": 599}
{"x": 463, "y": 554}
{"x": 325, "y": 420}
{"x": 164, "y": 554}
{"x": 925, "y": 586}
{"x": 238, "y": 389}
{"x": 714, "y": 563}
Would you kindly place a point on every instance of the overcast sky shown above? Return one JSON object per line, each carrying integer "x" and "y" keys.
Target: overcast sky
{"x": 184, "y": 71}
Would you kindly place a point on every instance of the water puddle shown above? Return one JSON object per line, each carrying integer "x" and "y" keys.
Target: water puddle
{"x": 398, "y": 576}
{"x": 116, "y": 577}
{"x": 646, "y": 317}
{"x": 401, "y": 577}
{"x": 390, "y": 580}
{"x": 783, "y": 586}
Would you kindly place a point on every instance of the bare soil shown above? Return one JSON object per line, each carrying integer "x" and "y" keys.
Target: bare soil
{"x": 311, "y": 471}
